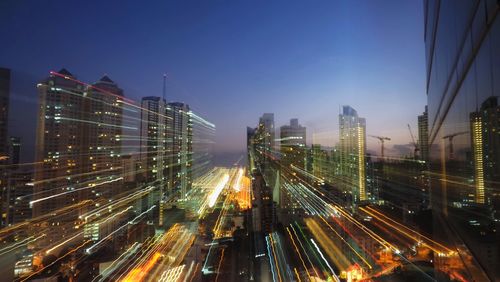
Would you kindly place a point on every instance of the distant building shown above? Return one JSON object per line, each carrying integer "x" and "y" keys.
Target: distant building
{"x": 292, "y": 160}
{"x": 4, "y": 112}
{"x": 423, "y": 135}
{"x": 14, "y": 150}
{"x": 4, "y": 148}
{"x": 153, "y": 139}
{"x": 352, "y": 148}
{"x": 154, "y": 154}
{"x": 20, "y": 193}
{"x": 321, "y": 165}
{"x": 179, "y": 135}
{"x": 262, "y": 154}
{"x": 293, "y": 144}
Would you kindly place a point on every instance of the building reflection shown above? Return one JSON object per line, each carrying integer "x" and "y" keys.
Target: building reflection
{"x": 462, "y": 40}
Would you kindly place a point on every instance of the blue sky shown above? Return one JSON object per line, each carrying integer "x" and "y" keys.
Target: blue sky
{"x": 230, "y": 60}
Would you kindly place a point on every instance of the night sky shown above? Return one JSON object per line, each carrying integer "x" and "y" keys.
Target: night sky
{"x": 230, "y": 60}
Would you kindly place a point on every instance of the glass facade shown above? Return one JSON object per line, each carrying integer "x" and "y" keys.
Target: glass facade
{"x": 462, "y": 40}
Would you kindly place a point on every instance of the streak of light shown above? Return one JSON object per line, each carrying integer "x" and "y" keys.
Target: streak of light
{"x": 195, "y": 271}
{"x": 62, "y": 243}
{"x": 119, "y": 261}
{"x": 75, "y": 190}
{"x": 217, "y": 190}
{"x": 55, "y": 261}
{"x": 138, "y": 274}
{"x": 347, "y": 243}
{"x": 300, "y": 255}
{"x": 237, "y": 186}
{"x": 331, "y": 249}
{"x": 172, "y": 274}
{"x": 324, "y": 259}
{"x": 88, "y": 250}
{"x": 298, "y": 276}
{"x": 19, "y": 244}
{"x": 271, "y": 261}
{"x": 449, "y": 251}
{"x": 220, "y": 263}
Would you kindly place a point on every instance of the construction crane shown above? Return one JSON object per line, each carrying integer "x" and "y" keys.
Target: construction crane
{"x": 450, "y": 139}
{"x": 382, "y": 139}
{"x": 415, "y": 144}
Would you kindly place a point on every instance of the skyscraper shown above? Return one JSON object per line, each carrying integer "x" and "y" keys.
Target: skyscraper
{"x": 293, "y": 144}
{"x": 60, "y": 142}
{"x": 154, "y": 153}
{"x": 179, "y": 134}
{"x": 104, "y": 134}
{"x": 423, "y": 135}
{"x": 153, "y": 138}
{"x": 4, "y": 148}
{"x": 78, "y": 145}
{"x": 463, "y": 74}
{"x": 14, "y": 150}
{"x": 4, "y": 112}
{"x": 265, "y": 146}
{"x": 352, "y": 131}
{"x": 293, "y": 154}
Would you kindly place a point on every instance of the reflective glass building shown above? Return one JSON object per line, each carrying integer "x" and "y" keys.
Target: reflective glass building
{"x": 462, "y": 40}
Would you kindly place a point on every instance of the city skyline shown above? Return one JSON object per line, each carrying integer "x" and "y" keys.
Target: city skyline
{"x": 311, "y": 82}
{"x": 371, "y": 150}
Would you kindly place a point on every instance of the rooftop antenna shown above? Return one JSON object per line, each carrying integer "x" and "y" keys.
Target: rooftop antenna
{"x": 164, "y": 86}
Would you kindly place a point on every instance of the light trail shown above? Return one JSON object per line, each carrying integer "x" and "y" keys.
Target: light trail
{"x": 217, "y": 190}
{"x": 300, "y": 255}
{"x": 73, "y": 191}
{"x": 324, "y": 259}
{"x": 237, "y": 186}
{"x": 88, "y": 250}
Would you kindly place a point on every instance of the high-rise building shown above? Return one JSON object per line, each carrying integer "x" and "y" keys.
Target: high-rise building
{"x": 179, "y": 134}
{"x": 251, "y": 148}
{"x": 320, "y": 162}
{"x": 153, "y": 138}
{"x": 423, "y": 135}
{"x": 14, "y": 150}
{"x": 265, "y": 145}
{"x": 4, "y": 112}
{"x": 78, "y": 145}
{"x": 293, "y": 154}
{"x": 293, "y": 144}
{"x": 20, "y": 193}
{"x": 105, "y": 109}
{"x": 154, "y": 153}
{"x": 4, "y": 148}
{"x": 462, "y": 40}
{"x": 352, "y": 130}
{"x": 266, "y": 122}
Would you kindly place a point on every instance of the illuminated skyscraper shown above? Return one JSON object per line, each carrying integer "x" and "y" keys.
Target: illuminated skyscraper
{"x": 265, "y": 146}
{"x": 463, "y": 74}
{"x": 153, "y": 138}
{"x": 293, "y": 154}
{"x": 61, "y": 150}
{"x": 154, "y": 153}
{"x": 293, "y": 144}
{"x": 352, "y": 147}
{"x": 423, "y": 135}
{"x": 179, "y": 134}
{"x": 78, "y": 144}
